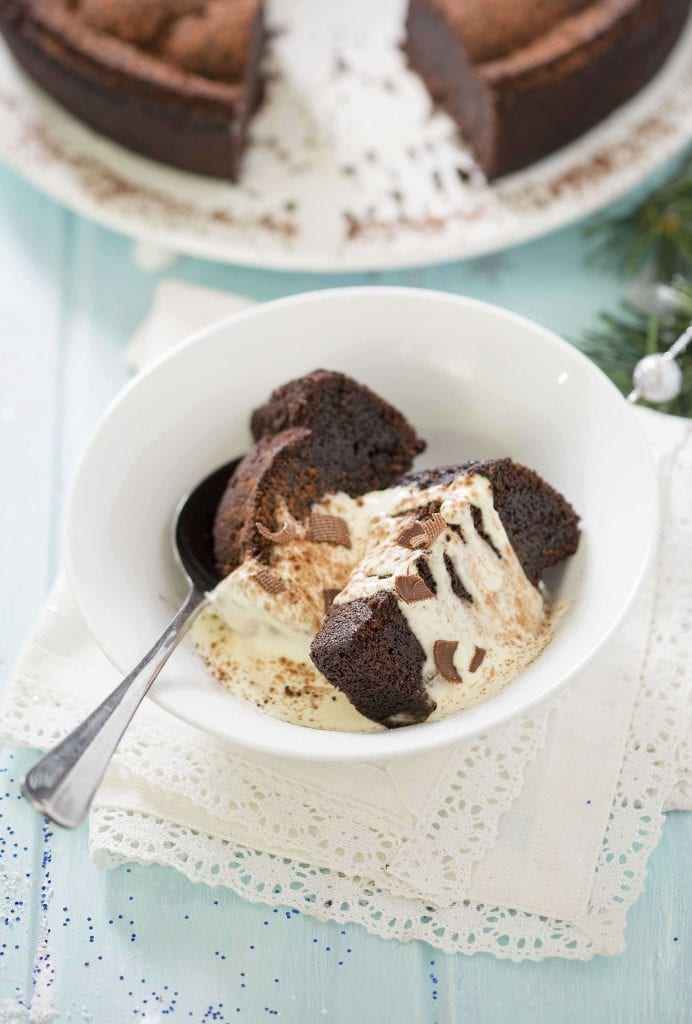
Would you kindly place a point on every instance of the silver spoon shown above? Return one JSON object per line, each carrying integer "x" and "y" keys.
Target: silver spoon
{"x": 62, "y": 784}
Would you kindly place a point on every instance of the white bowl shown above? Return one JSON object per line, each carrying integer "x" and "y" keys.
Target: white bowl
{"x": 475, "y": 380}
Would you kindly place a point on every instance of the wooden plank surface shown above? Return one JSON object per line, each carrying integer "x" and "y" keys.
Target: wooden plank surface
{"x": 145, "y": 943}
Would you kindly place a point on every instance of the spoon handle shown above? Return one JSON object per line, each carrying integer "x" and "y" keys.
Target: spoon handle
{"x": 62, "y": 784}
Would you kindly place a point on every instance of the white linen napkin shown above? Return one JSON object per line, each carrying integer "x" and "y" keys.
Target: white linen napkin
{"x": 529, "y": 842}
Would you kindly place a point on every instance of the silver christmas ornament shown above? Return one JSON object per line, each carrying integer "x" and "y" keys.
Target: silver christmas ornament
{"x": 657, "y": 379}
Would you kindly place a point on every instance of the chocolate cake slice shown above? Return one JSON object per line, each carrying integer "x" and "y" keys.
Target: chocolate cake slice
{"x": 541, "y": 525}
{"x": 175, "y": 80}
{"x": 448, "y": 595}
{"x": 318, "y": 435}
{"x": 523, "y": 79}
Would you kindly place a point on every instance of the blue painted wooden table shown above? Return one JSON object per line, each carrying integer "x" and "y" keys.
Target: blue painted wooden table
{"x": 147, "y": 944}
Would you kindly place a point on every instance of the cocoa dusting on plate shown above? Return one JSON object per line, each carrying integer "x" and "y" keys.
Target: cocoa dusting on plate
{"x": 596, "y": 168}
{"x": 109, "y": 188}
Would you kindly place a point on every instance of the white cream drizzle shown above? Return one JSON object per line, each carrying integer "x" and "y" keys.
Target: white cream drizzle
{"x": 258, "y": 643}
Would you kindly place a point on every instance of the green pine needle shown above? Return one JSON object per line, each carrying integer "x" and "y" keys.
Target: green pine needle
{"x": 655, "y": 237}
{"x": 619, "y": 340}
{"x": 657, "y": 233}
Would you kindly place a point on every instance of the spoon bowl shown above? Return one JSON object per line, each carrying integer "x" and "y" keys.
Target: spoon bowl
{"x": 193, "y": 541}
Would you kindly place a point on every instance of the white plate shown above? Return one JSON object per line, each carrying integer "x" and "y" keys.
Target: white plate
{"x": 474, "y": 379}
{"x": 301, "y": 206}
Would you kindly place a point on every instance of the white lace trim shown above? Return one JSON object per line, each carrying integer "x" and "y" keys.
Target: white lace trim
{"x": 118, "y": 837}
{"x": 478, "y": 783}
{"x": 460, "y": 821}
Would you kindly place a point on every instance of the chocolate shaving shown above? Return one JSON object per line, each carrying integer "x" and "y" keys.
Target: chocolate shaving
{"x": 270, "y": 581}
{"x": 477, "y": 659}
{"x": 329, "y": 530}
{"x": 432, "y": 528}
{"x": 407, "y": 535}
{"x": 422, "y": 534}
{"x": 412, "y": 588}
{"x": 329, "y": 593}
{"x": 443, "y": 656}
{"x": 287, "y": 532}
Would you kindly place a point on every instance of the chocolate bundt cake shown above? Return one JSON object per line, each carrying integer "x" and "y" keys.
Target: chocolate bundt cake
{"x": 448, "y": 586}
{"x": 175, "y": 80}
{"x": 523, "y": 79}
{"x": 178, "y": 80}
{"x": 318, "y": 435}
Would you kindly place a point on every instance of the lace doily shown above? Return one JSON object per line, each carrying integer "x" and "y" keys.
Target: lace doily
{"x": 177, "y": 770}
{"x": 430, "y": 850}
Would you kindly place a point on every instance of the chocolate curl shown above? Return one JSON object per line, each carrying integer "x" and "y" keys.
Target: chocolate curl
{"x": 477, "y": 660}
{"x": 443, "y": 656}
{"x": 329, "y": 530}
{"x": 408, "y": 534}
{"x": 270, "y": 581}
{"x": 422, "y": 534}
{"x": 287, "y": 532}
{"x": 412, "y": 588}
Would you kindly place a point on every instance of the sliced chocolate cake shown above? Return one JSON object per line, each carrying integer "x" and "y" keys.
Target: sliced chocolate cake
{"x": 175, "y": 80}
{"x": 391, "y": 595}
{"x": 318, "y": 435}
{"x": 540, "y": 525}
{"x": 523, "y": 79}
{"x": 446, "y": 594}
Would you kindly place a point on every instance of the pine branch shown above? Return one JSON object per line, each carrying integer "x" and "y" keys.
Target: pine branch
{"x": 656, "y": 234}
{"x": 619, "y": 340}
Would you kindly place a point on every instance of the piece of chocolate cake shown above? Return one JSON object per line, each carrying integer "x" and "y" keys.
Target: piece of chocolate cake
{"x": 447, "y": 595}
{"x": 541, "y": 526}
{"x": 523, "y": 79}
{"x": 318, "y": 435}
